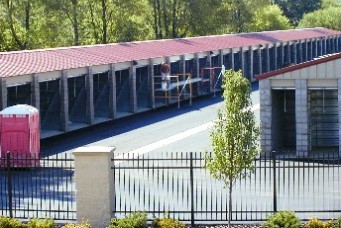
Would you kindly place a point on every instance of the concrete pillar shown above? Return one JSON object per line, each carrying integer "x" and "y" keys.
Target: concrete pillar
{"x": 112, "y": 92}
{"x": 209, "y": 59}
{"x": 339, "y": 108}
{"x": 94, "y": 184}
{"x": 265, "y": 117}
{"x": 151, "y": 83}
{"x": 35, "y": 91}
{"x": 251, "y": 64}
{"x": 321, "y": 46}
{"x": 242, "y": 61}
{"x": 89, "y": 85}
{"x": 259, "y": 55}
{"x": 302, "y": 121}
{"x": 267, "y": 53}
{"x": 337, "y": 43}
{"x": 197, "y": 70}
{"x": 306, "y": 50}
{"x": 289, "y": 53}
{"x": 300, "y": 52}
{"x": 316, "y": 48}
{"x": 183, "y": 65}
{"x": 282, "y": 55}
{"x": 275, "y": 56}
{"x": 3, "y": 93}
{"x": 232, "y": 58}
{"x": 221, "y": 57}
{"x": 294, "y": 52}
{"x": 132, "y": 87}
{"x": 64, "y": 96}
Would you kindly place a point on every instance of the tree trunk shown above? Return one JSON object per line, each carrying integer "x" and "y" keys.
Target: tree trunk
{"x": 75, "y": 22}
{"x": 230, "y": 204}
{"x": 104, "y": 22}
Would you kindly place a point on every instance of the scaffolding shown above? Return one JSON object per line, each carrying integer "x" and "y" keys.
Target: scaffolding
{"x": 179, "y": 88}
{"x": 213, "y": 79}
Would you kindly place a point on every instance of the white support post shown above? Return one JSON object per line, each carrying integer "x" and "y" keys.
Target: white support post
{"x": 94, "y": 184}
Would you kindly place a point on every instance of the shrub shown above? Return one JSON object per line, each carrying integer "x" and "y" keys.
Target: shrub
{"x": 83, "y": 224}
{"x": 134, "y": 220}
{"x": 41, "y": 223}
{"x": 6, "y": 222}
{"x": 167, "y": 223}
{"x": 338, "y": 222}
{"x": 316, "y": 223}
{"x": 283, "y": 219}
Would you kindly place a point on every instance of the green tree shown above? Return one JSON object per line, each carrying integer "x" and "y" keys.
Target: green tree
{"x": 329, "y": 16}
{"x": 269, "y": 18}
{"x": 234, "y": 136}
{"x": 295, "y": 9}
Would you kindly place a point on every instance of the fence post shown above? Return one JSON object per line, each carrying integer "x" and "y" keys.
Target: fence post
{"x": 274, "y": 181}
{"x": 9, "y": 184}
{"x": 192, "y": 187}
{"x": 95, "y": 185}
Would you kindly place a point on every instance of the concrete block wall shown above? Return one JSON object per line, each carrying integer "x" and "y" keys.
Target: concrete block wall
{"x": 301, "y": 112}
{"x": 265, "y": 116}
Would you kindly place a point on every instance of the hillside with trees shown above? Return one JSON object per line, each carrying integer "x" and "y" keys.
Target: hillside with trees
{"x": 36, "y": 24}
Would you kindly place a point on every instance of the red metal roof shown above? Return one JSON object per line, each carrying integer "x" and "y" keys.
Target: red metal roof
{"x": 45, "y": 60}
{"x": 316, "y": 61}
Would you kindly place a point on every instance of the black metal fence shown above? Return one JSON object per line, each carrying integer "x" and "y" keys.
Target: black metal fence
{"x": 37, "y": 187}
{"x": 179, "y": 185}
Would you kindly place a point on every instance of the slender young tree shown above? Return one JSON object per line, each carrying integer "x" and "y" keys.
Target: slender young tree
{"x": 234, "y": 136}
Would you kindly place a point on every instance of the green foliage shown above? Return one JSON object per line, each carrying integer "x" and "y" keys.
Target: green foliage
{"x": 329, "y": 17}
{"x": 316, "y": 223}
{"x": 167, "y": 223}
{"x": 283, "y": 219}
{"x": 6, "y": 222}
{"x": 83, "y": 224}
{"x": 269, "y": 18}
{"x": 133, "y": 220}
{"x": 295, "y": 9}
{"x": 41, "y": 223}
{"x": 234, "y": 136}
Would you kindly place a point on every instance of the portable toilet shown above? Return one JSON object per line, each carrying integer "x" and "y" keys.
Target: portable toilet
{"x": 20, "y": 135}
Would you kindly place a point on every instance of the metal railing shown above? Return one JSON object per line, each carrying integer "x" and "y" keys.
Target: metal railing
{"x": 178, "y": 184}
{"x": 37, "y": 187}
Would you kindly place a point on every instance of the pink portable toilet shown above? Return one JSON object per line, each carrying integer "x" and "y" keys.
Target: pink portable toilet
{"x": 19, "y": 129}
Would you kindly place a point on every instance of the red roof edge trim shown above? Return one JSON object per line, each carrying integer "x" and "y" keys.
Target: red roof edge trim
{"x": 298, "y": 66}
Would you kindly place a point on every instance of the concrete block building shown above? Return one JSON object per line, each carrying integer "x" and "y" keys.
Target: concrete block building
{"x": 300, "y": 107}
{"x": 75, "y": 87}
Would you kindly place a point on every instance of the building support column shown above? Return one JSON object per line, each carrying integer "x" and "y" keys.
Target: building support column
{"x": 267, "y": 52}
{"x": 302, "y": 121}
{"x": 266, "y": 117}
{"x": 64, "y": 102}
{"x": 182, "y": 64}
{"x": 35, "y": 91}
{"x": 295, "y": 52}
{"x": 252, "y": 78}
{"x": 259, "y": 55}
{"x": 339, "y": 108}
{"x": 112, "y": 92}
{"x": 89, "y": 82}
{"x": 275, "y": 56}
{"x": 232, "y": 58}
{"x": 242, "y": 61}
{"x": 151, "y": 87}
{"x": 197, "y": 70}
{"x": 300, "y": 52}
{"x": 3, "y": 93}
{"x": 282, "y": 55}
{"x": 132, "y": 88}
{"x": 221, "y": 57}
